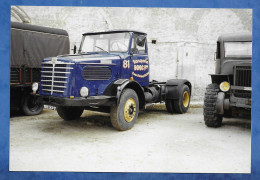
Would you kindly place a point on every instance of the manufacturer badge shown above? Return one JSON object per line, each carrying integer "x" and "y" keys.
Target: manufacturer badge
{"x": 54, "y": 60}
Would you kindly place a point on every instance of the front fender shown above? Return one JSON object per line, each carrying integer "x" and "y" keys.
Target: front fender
{"x": 219, "y": 78}
{"x": 116, "y": 88}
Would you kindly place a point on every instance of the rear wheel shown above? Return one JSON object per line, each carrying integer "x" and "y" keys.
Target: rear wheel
{"x": 69, "y": 113}
{"x": 211, "y": 118}
{"x": 124, "y": 115}
{"x": 182, "y": 104}
{"x": 32, "y": 105}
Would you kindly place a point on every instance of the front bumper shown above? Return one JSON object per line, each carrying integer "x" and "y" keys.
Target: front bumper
{"x": 80, "y": 101}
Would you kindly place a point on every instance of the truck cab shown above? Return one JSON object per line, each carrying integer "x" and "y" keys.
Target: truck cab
{"x": 109, "y": 73}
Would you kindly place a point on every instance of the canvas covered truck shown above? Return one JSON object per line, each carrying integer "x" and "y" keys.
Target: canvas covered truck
{"x": 110, "y": 73}
{"x": 29, "y": 45}
{"x": 231, "y": 87}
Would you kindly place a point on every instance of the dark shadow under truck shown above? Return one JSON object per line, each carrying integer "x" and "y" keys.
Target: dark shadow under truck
{"x": 110, "y": 73}
{"x": 29, "y": 45}
{"x": 230, "y": 91}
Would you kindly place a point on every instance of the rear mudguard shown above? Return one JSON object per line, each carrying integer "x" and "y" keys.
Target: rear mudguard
{"x": 116, "y": 88}
{"x": 173, "y": 88}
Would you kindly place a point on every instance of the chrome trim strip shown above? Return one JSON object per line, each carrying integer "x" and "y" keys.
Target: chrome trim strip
{"x": 57, "y": 62}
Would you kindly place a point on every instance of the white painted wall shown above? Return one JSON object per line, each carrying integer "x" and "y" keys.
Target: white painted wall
{"x": 185, "y": 37}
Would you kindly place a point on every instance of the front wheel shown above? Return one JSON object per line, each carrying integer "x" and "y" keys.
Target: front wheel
{"x": 211, "y": 118}
{"x": 124, "y": 115}
{"x": 69, "y": 113}
{"x": 32, "y": 105}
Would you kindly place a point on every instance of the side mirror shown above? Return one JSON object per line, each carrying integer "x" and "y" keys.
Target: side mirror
{"x": 75, "y": 49}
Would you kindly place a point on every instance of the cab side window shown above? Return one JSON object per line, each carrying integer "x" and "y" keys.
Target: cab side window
{"x": 138, "y": 44}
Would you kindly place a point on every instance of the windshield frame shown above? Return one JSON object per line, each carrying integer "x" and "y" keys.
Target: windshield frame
{"x": 94, "y": 52}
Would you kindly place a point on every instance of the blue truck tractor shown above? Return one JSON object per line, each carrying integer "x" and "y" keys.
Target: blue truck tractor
{"x": 110, "y": 73}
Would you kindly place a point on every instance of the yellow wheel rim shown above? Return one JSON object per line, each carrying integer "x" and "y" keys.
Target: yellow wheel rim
{"x": 185, "y": 99}
{"x": 130, "y": 110}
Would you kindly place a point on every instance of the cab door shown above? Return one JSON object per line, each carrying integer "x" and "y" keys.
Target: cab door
{"x": 139, "y": 62}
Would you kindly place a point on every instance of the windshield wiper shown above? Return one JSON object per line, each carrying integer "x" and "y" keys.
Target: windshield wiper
{"x": 101, "y": 49}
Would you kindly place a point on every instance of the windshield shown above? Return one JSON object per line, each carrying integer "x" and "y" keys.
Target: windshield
{"x": 238, "y": 49}
{"x": 113, "y": 42}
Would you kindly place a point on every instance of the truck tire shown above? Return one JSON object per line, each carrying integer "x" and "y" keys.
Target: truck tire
{"x": 182, "y": 104}
{"x": 170, "y": 106}
{"x": 69, "y": 113}
{"x": 211, "y": 118}
{"x": 31, "y": 105}
{"x": 124, "y": 115}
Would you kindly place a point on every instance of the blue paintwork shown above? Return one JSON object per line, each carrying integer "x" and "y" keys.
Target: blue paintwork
{"x": 97, "y": 87}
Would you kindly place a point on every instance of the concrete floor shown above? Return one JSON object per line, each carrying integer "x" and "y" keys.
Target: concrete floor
{"x": 159, "y": 142}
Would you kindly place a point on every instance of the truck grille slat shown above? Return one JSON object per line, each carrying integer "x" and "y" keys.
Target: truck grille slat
{"x": 58, "y": 68}
{"x": 55, "y": 72}
{"x": 243, "y": 77}
{"x": 52, "y": 90}
{"x": 54, "y": 86}
{"x": 55, "y": 76}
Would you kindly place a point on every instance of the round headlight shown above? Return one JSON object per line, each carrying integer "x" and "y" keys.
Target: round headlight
{"x": 224, "y": 86}
{"x": 35, "y": 87}
{"x": 84, "y": 91}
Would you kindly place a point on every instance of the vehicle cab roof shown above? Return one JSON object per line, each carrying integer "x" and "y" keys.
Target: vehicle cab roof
{"x": 235, "y": 37}
{"x": 114, "y": 31}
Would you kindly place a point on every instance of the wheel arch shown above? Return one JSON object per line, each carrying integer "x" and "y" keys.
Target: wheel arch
{"x": 116, "y": 88}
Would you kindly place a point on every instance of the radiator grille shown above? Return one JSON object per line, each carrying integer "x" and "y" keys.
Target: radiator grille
{"x": 96, "y": 73}
{"x": 243, "y": 77}
{"x": 55, "y": 77}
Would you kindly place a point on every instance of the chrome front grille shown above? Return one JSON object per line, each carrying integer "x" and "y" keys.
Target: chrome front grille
{"x": 55, "y": 76}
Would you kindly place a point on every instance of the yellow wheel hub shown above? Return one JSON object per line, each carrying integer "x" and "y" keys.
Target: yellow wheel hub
{"x": 185, "y": 99}
{"x": 129, "y": 109}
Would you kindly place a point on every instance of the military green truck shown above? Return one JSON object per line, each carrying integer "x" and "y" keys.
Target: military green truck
{"x": 29, "y": 45}
{"x": 231, "y": 85}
